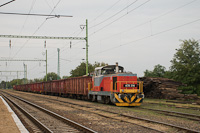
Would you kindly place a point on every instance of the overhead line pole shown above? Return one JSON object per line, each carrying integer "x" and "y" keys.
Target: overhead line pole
{"x": 58, "y": 71}
{"x": 86, "y": 47}
{"x": 46, "y": 64}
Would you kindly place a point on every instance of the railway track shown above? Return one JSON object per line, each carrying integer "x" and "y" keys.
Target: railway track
{"x": 175, "y": 114}
{"x": 46, "y": 120}
{"x": 171, "y": 105}
{"x": 123, "y": 117}
{"x": 138, "y": 118}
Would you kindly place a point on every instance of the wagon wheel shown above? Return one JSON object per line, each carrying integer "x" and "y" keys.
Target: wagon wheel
{"x": 107, "y": 100}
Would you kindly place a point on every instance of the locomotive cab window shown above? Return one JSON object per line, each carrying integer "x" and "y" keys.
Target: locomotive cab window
{"x": 110, "y": 69}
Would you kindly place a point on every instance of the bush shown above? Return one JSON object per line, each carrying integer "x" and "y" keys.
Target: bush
{"x": 198, "y": 90}
{"x": 187, "y": 90}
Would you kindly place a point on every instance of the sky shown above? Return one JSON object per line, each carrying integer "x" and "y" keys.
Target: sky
{"x": 138, "y": 34}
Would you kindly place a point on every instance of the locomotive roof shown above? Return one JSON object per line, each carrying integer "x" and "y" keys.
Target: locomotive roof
{"x": 108, "y": 67}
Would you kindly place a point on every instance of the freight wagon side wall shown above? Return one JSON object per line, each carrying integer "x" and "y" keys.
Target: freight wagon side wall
{"x": 74, "y": 86}
{"x": 77, "y": 86}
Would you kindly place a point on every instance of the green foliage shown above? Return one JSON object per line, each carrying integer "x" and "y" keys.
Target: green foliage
{"x": 36, "y": 80}
{"x": 198, "y": 90}
{"x": 158, "y": 71}
{"x": 9, "y": 84}
{"x": 186, "y": 64}
{"x": 65, "y": 77}
{"x": 187, "y": 89}
{"x": 50, "y": 76}
{"x": 81, "y": 69}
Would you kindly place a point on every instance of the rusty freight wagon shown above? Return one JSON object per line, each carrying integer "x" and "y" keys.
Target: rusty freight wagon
{"x": 108, "y": 84}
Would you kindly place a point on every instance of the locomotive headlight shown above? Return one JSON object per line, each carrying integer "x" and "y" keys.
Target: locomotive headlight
{"x": 122, "y": 90}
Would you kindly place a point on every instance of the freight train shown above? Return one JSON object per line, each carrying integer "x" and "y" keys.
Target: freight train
{"x": 108, "y": 84}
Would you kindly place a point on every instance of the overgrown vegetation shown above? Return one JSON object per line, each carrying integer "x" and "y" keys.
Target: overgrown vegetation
{"x": 185, "y": 67}
{"x": 81, "y": 69}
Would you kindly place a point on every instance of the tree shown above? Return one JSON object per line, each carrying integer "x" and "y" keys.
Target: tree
{"x": 80, "y": 70}
{"x": 40, "y": 80}
{"x": 158, "y": 71}
{"x": 50, "y": 76}
{"x": 186, "y": 64}
{"x": 65, "y": 77}
{"x": 3, "y": 84}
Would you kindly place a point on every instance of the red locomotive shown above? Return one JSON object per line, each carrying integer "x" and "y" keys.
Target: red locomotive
{"x": 109, "y": 84}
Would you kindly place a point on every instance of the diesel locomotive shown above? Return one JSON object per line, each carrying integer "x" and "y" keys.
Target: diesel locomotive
{"x": 108, "y": 84}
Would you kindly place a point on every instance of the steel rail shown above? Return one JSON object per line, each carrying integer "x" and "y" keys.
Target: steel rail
{"x": 32, "y": 118}
{"x": 133, "y": 117}
{"x": 171, "y": 105}
{"x": 68, "y": 121}
{"x": 174, "y": 112}
{"x": 100, "y": 114}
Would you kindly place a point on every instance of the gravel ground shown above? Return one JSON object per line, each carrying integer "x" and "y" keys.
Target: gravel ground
{"x": 7, "y": 124}
{"x": 102, "y": 124}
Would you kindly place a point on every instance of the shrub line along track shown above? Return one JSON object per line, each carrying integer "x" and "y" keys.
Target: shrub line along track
{"x": 127, "y": 116}
{"x": 70, "y": 123}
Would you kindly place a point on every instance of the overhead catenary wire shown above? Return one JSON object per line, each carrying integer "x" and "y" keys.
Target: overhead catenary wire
{"x": 152, "y": 35}
{"x": 33, "y": 2}
{"x": 105, "y": 11}
{"x": 120, "y": 17}
{"x": 7, "y": 3}
{"x": 37, "y": 28}
{"x": 29, "y": 14}
{"x": 114, "y": 14}
{"x": 151, "y": 20}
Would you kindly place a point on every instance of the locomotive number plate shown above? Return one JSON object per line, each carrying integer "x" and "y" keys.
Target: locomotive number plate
{"x": 129, "y": 85}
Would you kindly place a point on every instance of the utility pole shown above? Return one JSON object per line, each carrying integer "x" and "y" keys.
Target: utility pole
{"x": 86, "y": 47}
{"x": 58, "y": 72}
{"x": 46, "y": 64}
{"x": 25, "y": 73}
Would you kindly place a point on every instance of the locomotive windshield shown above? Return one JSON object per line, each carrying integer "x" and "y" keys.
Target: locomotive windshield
{"x": 110, "y": 69}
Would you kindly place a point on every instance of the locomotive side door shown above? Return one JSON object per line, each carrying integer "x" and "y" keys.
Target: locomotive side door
{"x": 114, "y": 83}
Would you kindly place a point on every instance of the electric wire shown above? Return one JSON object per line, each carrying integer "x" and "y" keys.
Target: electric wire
{"x": 33, "y": 2}
{"x": 149, "y": 36}
{"x": 7, "y": 3}
{"x": 119, "y": 17}
{"x": 106, "y": 10}
{"x": 43, "y": 15}
{"x": 151, "y": 20}
{"x": 37, "y": 29}
{"x": 114, "y": 14}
